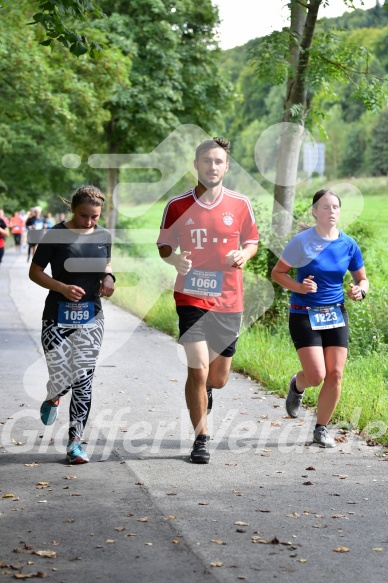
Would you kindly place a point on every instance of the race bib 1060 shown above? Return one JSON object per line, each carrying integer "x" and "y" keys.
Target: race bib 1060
{"x": 75, "y": 314}
{"x": 203, "y": 283}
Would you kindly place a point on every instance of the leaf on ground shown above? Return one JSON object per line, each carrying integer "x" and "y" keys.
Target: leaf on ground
{"x": 341, "y": 476}
{"x": 308, "y": 483}
{"x": 139, "y": 484}
{"x": 377, "y": 549}
{"x": 216, "y": 564}
{"x": 8, "y": 495}
{"x": 341, "y": 550}
{"x": 241, "y": 523}
{"x": 203, "y": 503}
{"x": 39, "y": 575}
{"x": 174, "y": 380}
{"x": 120, "y": 528}
{"x": 42, "y": 484}
{"x": 231, "y": 463}
{"x": 262, "y": 510}
{"x": 293, "y": 515}
{"x": 110, "y": 541}
{"x": 339, "y": 516}
{"x": 33, "y": 465}
{"x": 217, "y": 541}
{"x": 143, "y": 519}
{"x": 171, "y": 493}
{"x": 75, "y": 494}
{"x": 175, "y": 541}
{"x": 169, "y": 517}
{"x": 256, "y": 538}
{"x": 302, "y": 560}
{"x": 148, "y": 544}
{"x": 48, "y": 554}
{"x": 130, "y": 534}
{"x": 310, "y": 468}
{"x": 70, "y": 477}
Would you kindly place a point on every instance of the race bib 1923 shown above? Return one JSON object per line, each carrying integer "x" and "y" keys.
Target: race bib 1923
{"x": 326, "y": 317}
{"x": 203, "y": 283}
{"x": 75, "y": 314}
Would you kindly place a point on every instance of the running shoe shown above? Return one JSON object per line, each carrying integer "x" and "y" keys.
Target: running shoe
{"x": 322, "y": 437}
{"x": 75, "y": 453}
{"x": 294, "y": 399}
{"x": 209, "y": 399}
{"x": 49, "y": 411}
{"x": 200, "y": 452}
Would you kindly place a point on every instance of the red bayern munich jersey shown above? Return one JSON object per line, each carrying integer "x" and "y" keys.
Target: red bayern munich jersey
{"x": 209, "y": 232}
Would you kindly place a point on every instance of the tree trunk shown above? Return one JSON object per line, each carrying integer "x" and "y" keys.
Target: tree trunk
{"x": 112, "y": 202}
{"x": 303, "y": 21}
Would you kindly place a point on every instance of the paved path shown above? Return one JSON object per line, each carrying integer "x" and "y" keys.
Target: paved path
{"x": 269, "y": 506}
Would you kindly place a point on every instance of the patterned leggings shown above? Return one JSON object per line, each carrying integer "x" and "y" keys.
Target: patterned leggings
{"x": 71, "y": 356}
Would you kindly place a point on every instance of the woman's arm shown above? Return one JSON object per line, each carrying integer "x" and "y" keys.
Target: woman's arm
{"x": 280, "y": 275}
{"x": 73, "y": 293}
{"x": 360, "y": 285}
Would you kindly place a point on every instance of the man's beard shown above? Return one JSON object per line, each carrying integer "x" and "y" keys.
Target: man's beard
{"x": 205, "y": 181}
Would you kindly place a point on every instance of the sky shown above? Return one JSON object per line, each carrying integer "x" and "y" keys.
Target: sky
{"x": 243, "y": 20}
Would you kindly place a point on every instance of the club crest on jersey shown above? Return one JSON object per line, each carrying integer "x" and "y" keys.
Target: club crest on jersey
{"x": 227, "y": 219}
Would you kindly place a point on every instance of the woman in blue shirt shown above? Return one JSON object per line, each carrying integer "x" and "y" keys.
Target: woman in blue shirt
{"x": 318, "y": 320}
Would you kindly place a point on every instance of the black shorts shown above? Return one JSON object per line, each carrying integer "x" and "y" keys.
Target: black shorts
{"x": 303, "y": 335}
{"x": 219, "y": 329}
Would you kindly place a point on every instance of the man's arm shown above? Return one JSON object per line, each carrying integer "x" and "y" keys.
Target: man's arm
{"x": 179, "y": 260}
{"x": 240, "y": 257}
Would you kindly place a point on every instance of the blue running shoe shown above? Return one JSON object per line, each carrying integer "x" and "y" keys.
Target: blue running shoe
{"x": 49, "y": 411}
{"x": 75, "y": 453}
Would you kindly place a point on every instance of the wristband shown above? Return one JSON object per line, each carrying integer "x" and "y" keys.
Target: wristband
{"x": 111, "y": 274}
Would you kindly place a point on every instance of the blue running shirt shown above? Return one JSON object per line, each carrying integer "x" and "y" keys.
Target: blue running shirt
{"x": 327, "y": 261}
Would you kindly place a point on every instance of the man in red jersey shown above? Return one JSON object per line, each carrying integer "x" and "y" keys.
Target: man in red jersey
{"x": 215, "y": 231}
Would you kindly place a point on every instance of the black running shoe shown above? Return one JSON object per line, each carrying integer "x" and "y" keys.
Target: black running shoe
{"x": 209, "y": 400}
{"x": 200, "y": 452}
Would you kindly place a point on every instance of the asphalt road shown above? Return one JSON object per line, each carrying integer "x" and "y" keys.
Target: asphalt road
{"x": 269, "y": 506}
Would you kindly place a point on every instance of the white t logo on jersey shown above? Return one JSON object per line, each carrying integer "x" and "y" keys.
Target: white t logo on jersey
{"x": 197, "y": 238}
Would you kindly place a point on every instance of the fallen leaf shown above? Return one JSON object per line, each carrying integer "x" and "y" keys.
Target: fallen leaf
{"x": 171, "y": 493}
{"x": 175, "y": 541}
{"x": 48, "y": 554}
{"x": 293, "y": 515}
{"x": 130, "y": 534}
{"x": 338, "y": 516}
{"x": 203, "y": 503}
{"x": 70, "y": 477}
{"x": 231, "y": 464}
{"x": 255, "y": 538}
{"x": 143, "y": 519}
{"x": 8, "y": 495}
{"x": 110, "y": 540}
{"x": 241, "y": 523}
{"x": 42, "y": 484}
{"x": 310, "y": 468}
{"x": 377, "y": 549}
{"x": 341, "y": 550}
{"x": 75, "y": 494}
{"x": 169, "y": 517}
{"x": 308, "y": 483}
{"x": 139, "y": 484}
{"x": 39, "y": 575}
{"x": 262, "y": 510}
{"x": 216, "y": 564}
{"x": 33, "y": 465}
{"x": 148, "y": 544}
{"x": 218, "y": 542}
{"x": 120, "y": 528}
{"x": 302, "y": 560}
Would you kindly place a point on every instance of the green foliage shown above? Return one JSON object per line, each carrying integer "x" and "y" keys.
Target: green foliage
{"x": 53, "y": 17}
{"x": 378, "y": 146}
